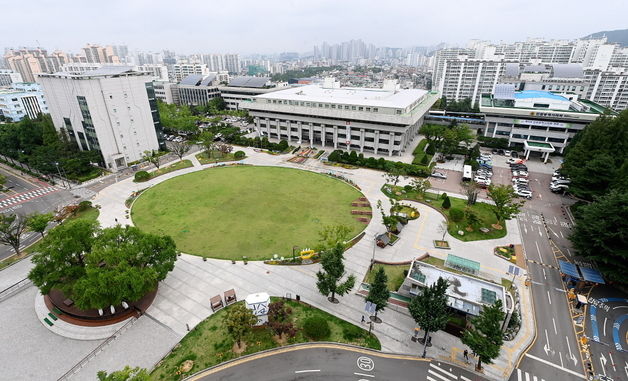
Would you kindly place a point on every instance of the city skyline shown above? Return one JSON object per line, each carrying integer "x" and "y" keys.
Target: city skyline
{"x": 296, "y": 27}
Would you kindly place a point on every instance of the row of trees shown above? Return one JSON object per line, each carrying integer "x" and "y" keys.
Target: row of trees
{"x": 37, "y": 143}
{"x": 447, "y": 139}
{"x": 597, "y": 163}
{"x": 464, "y": 105}
{"x": 13, "y": 226}
{"x": 353, "y": 158}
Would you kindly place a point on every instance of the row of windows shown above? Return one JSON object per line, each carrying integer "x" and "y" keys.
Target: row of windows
{"x": 326, "y": 105}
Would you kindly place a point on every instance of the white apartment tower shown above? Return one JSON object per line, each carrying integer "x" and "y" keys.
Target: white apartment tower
{"x": 111, "y": 109}
{"x": 232, "y": 63}
{"x": 182, "y": 70}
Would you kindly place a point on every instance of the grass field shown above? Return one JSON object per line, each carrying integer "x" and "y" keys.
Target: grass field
{"x": 246, "y": 211}
{"x": 208, "y": 344}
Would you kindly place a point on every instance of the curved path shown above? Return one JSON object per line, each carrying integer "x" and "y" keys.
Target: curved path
{"x": 182, "y": 301}
{"x": 332, "y": 362}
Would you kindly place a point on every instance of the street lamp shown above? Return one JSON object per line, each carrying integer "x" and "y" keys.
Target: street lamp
{"x": 293, "y": 250}
{"x": 373, "y": 257}
{"x": 61, "y": 177}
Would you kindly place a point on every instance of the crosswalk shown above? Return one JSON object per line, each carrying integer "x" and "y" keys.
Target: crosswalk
{"x": 22, "y": 197}
{"x": 525, "y": 376}
{"x": 443, "y": 372}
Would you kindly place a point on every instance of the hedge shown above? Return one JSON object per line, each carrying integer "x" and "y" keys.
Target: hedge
{"x": 353, "y": 158}
{"x": 142, "y": 176}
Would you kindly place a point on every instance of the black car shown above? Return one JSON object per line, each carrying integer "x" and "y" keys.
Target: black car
{"x": 514, "y": 154}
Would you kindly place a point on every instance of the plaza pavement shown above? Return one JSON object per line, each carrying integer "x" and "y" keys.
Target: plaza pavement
{"x": 182, "y": 300}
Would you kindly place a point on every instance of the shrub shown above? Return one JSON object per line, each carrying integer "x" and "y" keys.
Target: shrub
{"x": 352, "y": 332}
{"x": 447, "y": 203}
{"x": 239, "y": 155}
{"x": 425, "y": 160}
{"x": 430, "y": 150}
{"x": 443, "y": 196}
{"x": 84, "y": 205}
{"x": 316, "y": 328}
{"x": 456, "y": 214}
{"x": 142, "y": 176}
{"x": 408, "y": 188}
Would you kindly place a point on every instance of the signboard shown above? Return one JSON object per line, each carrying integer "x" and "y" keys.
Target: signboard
{"x": 542, "y": 123}
{"x": 369, "y": 307}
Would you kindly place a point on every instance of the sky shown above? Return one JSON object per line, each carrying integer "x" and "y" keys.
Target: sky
{"x": 274, "y": 26}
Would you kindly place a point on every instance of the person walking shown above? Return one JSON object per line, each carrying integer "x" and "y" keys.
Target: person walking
{"x": 466, "y": 356}
{"x": 362, "y": 319}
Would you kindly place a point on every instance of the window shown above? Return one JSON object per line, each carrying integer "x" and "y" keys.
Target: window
{"x": 333, "y": 106}
{"x": 368, "y": 109}
{"x": 353, "y": 108}
{"x": 398, "y": 112}
{"x": 375, "y": 109}
{"x": 360, "y": 108}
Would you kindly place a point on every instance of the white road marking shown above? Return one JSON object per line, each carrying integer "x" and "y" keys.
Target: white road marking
{"x": 525, "y": 229}
{"x": 430, "y": 378}
{"x": 307, "y": 371}
{"x": 463, "y": 378}
{"x": 561, "y": 358}
{"x": 571, "y": 355}
{"x": 554, "y": 322}
{"x": 548, "y": 297}
{"x": 527, "y": 376}
{"x": 568, "y": 252}
{"x": 444, "y": 371}
{"x": 518, "y": 374}
{"x": 544, "y": 276}
{"x": 437, "y": 375}
{"x": 362, "y": 374}
{"x": 541, "y": 234}
{"x": 556, "y": 366}
{"x": 561, "y": 233}
{"x": 553, "y": 232}
{"x": 610, "y": 356}
{"x": 538, "y": 250}
{"x": 606, "y": 318}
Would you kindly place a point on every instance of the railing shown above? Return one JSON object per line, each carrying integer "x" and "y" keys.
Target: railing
{"x": 14, "y": 288}
{"x": 97, "y": 350}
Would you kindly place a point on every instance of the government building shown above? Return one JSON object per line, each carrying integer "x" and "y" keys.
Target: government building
{"x": 382, "y": 121}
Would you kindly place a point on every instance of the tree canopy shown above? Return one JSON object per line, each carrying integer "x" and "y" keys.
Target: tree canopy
{"x": 239, "y": 320}
{"x": 378, "y": 290}
{"x": 429, "y": 309}
{"x": 601, "y": 234}
{"x": 101, "y": 267}
{"x": 596, "y": 159}
{"x": 126, "y": 374}
{"x": 333, "y": 269}
{"x": 39, "y": 222}
{"x": 485, "y": 337}
{"x": 506, "y": 206}
{"x": 12, "y": 226}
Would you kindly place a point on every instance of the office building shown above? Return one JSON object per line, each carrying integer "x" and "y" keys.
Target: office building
{"x": 532, "y": 117}
{"x": 22, "y": 99}
{"x": 382, "y": 121}
{"x": 157, "y": 72}
{"x": 7, "y": 77}
{"x": 163, "y": 91}
{"x": 243, "y": 89}
{"x": 182, "y": 70}
{"x": 111, "y": 109}
{"x": 195, "y": 90}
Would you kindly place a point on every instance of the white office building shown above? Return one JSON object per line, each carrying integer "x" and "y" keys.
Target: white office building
{"x": 111, "y": 109}
{"x": 7, "y": 77}
{"x": 158, "y": 72}
{"x": 536, "y": 118}
{"x": 21, "y": 100}
{"x": 182, "y": 70}
{"x": 382, "y": 121}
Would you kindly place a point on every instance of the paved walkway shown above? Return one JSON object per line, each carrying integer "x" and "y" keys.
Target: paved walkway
{"x": 182, "y": 300}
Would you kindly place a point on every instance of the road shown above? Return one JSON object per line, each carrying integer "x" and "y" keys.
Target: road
{"x": 335, "y": 363}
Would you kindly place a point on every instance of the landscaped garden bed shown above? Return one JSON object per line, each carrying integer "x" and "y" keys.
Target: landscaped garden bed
{"x": 506, "y": 252}
{"x": 209, "y": 344}
{"x": 396, "y": 275}
{"x": 440, "y": 244}
{"x": 218, "y": 157}
{"x": 145, "y": 176}
{"x": 485, "y": 228}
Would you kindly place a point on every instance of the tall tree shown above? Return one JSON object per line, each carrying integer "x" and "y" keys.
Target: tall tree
{"x": 207, "y": 141}
{"x": 390, "y": 221}
{"x": 180, "y": 148}
{"x": 332, "y": 235}
{"x": 601, "y": 234}
{"x": 98, "y": 268}
{"x": 152, "y": 157}
{"x": 506, "y": 206}
{"x": 429, "y": 309}
{"x": 595, "y": 157}
{"x": 378, "y": 291}
{"x": 421, "y": 186}
{"x": 39, "y": 222}
{"x": 471, "y": 190}
{"x": 333, "y": 269}
{"x": 126, "y": 374}
{"x": 433, "y": 133}
{"x": 239, "y": 320}
{"x": 485, "y": 337}
{"x": 279, "y": 319}
{"x": 12, "y": 226}
{"x": 394, "y": 174}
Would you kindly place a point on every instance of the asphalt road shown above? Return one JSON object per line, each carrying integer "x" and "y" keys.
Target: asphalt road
{"x": 335, "y": 364}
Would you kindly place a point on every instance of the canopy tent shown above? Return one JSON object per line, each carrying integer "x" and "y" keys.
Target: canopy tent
{"x": 591, "y": 275}
{"x": 569, "y": 269}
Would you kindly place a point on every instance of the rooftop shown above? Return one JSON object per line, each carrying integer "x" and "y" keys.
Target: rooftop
{"x": 256, "y": 82}
{"x": 349, "y": 95}
{"x": 103, "y": 71}
{"x": 531, "y": 94}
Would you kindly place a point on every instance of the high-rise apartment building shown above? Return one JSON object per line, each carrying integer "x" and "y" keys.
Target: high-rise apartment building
{"x": 7, "y": 77}
{"x": 182, "y": 70}
{"x": 31, "y": 61}
{"x": 111, "y": 109}
{"x": 232, "y": 63}
{"x": 99, "y": 54}
{"x": 608, "y": 88}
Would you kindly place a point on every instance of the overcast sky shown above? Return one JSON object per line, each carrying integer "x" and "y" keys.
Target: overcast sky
{"x": 273, "y": 26}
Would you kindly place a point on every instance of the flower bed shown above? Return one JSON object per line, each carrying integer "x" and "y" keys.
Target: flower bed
{"x": 441, "y": 245}
{"x": 506, "y": 252}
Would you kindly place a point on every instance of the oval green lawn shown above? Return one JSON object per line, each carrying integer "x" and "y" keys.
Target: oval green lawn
{"x": 248, "y": 211}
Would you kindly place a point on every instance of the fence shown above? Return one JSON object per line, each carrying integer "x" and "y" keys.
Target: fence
{"x": 30, "y": 170}
{"x": 14, "y": 288}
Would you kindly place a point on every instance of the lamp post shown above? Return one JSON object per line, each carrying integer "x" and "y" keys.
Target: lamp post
{"x": 293, "y": 250}
{"x": 61, "y": 177}
{"x": 373, "y": 257}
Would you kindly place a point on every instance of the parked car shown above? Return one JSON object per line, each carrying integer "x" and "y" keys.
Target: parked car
{"x": 560, "y": 182}
{"x": 523, "y": 193}
{"x": 557, "y": 188}
{"x": 485, "y": 165}
{"x": 482, "y": 180}
{"x": 519, "y": 174}
{"x": 440, "y": 175}
{"x": 512, "y": 160}
{"x": 520, "y": 180}
{"x": 485, "y": 172}
{"x": 518, "y": 167}
{"x": 507, "y": 152}
{"x": 514, "y": 154}
{"x": 561, "y": 178}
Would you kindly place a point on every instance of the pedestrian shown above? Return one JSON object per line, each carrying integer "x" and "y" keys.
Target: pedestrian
{"x": 362, "y": 319}
{"x": 466, "y": 356}
{"x": 116, "y": 220}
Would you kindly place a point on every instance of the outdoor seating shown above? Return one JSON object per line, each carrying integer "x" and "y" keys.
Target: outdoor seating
{"x": 230, "y": 297}
{"x": 216, "y": 303}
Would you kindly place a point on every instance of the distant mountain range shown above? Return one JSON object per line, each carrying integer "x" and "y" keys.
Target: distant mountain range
{"x": 619, "y": 36}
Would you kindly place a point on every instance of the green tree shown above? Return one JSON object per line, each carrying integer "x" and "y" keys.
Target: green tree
{"x": 601, "y": 234}
{"x": 333, "y": 269}
{"x": 99, "y": 268}
{"x": 39, "y": 222}
{"x": 207, "y": 141}
{"x": 378, "y": 291}
{"x": 429, "y": 309}
{"x": 421, "y": 186}
{"x": 394, "y": 174}
{"x": 596, "y": 158}
{"x": 12, "y": 226}
{"x": 126, "y": 374}
{"x": 239, "y": 320}
{"x": 446, "y": 203}
{"x": 390, "y": 221}
{"x": 332, "y": 235}
{"x": 152, "y": 157}
{"x": 454, "y": 135}
{"x": 433, "y": 133}
{"x": 505, "y": 204}
{"x": 180, "y": 148}
{"x": 485, "y": 337}
{"x": 472, "y": 217}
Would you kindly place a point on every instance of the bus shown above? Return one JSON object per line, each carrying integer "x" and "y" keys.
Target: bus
{"x": 467, "y": 175}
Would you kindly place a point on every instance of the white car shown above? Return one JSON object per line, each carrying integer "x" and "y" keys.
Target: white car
{"x": 486, "y": 156}
{"x": 512, "y": 160}
{"x": 524, "y": 193}
{"x": 507, "y": 153}
{"x": 520, "y": 180}
{"x": 519, "y": 174}
{"x": 482, "y": 180}
{"x": 440, "y": 175}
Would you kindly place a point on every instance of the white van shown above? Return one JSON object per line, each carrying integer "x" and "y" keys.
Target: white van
{"x": 467, "y": 174}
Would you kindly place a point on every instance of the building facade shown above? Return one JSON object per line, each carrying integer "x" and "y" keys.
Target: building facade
{"x": 536, "y": 116}
{"x": 22, "y": 100}
{"x": 382, "y": 121}
{"x": 182, "y": 70}
{"x": 112, "y": 110}
{"x": 7, "y": 77}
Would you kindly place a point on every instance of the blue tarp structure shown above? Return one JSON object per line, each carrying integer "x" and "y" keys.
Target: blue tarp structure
{"x": 591, "y": 275}
{"x": 569, "y": 269}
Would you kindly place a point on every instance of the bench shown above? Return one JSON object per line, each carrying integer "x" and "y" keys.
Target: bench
{"x": 216, "y": 303}
{"x": 230, "y": 297}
